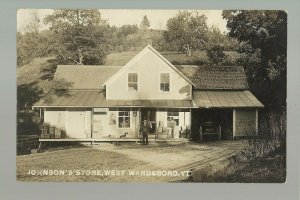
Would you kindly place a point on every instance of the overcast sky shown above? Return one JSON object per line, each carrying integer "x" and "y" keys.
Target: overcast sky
{"x": 118, "y": 17}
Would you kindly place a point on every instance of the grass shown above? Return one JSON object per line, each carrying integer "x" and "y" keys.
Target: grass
{"x": 197, "y": 58}
{"x": 268, "y": 169}
{"x": 121, "y": 58}
{"x": 33, "y": 73}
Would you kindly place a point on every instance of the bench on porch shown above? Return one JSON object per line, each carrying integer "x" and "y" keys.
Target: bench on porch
{"x": 150, "y": 136}
{"x": 209, "y": 128}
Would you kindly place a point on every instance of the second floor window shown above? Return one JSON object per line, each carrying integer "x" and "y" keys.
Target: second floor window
{"x": 132, "y": 82}
{"x": 165, "y": 82}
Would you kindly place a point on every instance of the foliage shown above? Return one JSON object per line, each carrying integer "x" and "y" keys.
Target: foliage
{"x": 268, "y": 169}
{"x": 32, "y": 45}
{"x": 216, "y": 54}
{"x": 263, "y": 44}
{"x": 187, "y": 31}
{"x": 25, "y": 48}
{"x": 27, "y": 95}
{"x": 215, "y": 37}
{"x": 145, "y": 24}
{"x": 197, "y": 58}
{"x": 79, "y": 36}
{"x": 216, "y": 46}
{"x": 126, "y": 30}
{"x": 28, "y": 122}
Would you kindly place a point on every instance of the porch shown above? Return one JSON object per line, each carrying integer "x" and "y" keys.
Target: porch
{"x": 93, "y": 140}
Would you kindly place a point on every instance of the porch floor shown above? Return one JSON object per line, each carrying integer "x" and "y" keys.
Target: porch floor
{"x": 108, "y": 139}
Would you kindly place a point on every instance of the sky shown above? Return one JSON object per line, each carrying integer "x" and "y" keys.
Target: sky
{"x": 118, "y": 17}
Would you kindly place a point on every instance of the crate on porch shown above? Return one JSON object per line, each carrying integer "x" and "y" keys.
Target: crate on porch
{"x": 57, "y": 133}
{"x": 45, "y": 136}
{"x": 52, "y": 131}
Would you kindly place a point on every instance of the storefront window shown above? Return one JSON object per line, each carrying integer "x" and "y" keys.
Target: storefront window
{"x": 173, "y": 119}
{"x": 124, "y": 119}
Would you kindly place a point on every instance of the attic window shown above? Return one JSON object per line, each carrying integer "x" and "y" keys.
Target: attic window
{"x": 165, "y": 82}
{"x": 132, "y": 82}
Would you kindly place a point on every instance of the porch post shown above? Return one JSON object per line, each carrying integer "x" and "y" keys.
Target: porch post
{"x": 190, "y": 136}
{"x": 139, "y": 122}
{"x": 233, "y": 123}
{"x": 92, "y": 121}
{"x": 66, "y": 122}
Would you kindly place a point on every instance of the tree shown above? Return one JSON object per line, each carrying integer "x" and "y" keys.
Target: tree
{"x": 216, "y": 54}
{"x": 79, "y": 36}
{"x": 145, "y": 24}
{"x": 187, "y": 31}
{"x": 263, "y": 44}
{"x": 216, "y": 44}
{"x": 29, "y": 40}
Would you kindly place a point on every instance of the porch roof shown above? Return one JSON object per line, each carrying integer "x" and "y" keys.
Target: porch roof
{"x": 225, "y": 99}
{"x": 96, "y": 98}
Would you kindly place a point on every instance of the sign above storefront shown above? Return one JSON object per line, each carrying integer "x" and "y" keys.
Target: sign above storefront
{"x": 100, "y": 109}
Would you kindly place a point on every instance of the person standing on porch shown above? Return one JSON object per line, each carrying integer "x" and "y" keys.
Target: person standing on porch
{"x": 145, "y": 128}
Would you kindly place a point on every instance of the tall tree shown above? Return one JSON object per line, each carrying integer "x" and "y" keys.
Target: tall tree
{"x": 145, "y": 24}
{"x": 216, "y": 45}
{"x": 29, "y": 40}
{"x": 216, "y": 54}
{"x": 79, "y": 35}
{"x": 187, "y": 31}
{"x": 263, "y": 37}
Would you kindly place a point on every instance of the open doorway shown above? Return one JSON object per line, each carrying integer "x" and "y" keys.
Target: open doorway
{"x": 214, "y": 117}
{"x": 150, "y": 116}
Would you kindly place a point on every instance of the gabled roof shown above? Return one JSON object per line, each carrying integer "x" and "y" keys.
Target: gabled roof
{"x": 201, "y": 77}
{"x": 84, "y": 76}
{"x": 140, "y": 54}
{"x": 210, "y": 77}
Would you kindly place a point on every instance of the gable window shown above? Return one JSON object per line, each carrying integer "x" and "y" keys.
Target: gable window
{"x": 124, "y": 118}
{"x": 165, "y": 82}
{"x": 132, "y": 81}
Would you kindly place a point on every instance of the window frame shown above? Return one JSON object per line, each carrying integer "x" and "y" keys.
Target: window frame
{"x": 137, "y": 82}
{"x": 124, "y": 117}
{"x": 160, "y": 82}
{"x": 169, "y": 116}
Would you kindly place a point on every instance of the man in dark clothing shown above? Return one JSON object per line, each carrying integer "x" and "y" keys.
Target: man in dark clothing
{"x": 145, "y": 128}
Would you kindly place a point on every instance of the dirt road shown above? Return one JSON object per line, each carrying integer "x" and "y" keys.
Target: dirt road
{"x": 125, "y": 162}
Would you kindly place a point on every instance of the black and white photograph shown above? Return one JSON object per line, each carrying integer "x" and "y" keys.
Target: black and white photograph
{"x": 151, "y": 95}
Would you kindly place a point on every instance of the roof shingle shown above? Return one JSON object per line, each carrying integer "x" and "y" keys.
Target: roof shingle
{"x": 210, "y": 77}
